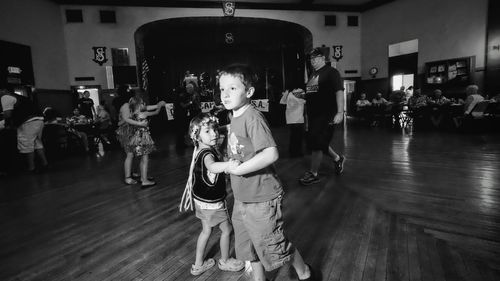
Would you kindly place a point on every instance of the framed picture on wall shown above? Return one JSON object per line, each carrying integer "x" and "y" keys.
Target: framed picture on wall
{"x": 433, "y": 69}
{"x": 441, "y": 68}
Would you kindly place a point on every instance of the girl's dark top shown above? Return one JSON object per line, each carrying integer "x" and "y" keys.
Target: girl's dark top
{"x": 207, "y": 186}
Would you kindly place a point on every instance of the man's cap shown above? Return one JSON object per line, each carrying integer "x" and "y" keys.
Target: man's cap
{"x": 316, "y": 52}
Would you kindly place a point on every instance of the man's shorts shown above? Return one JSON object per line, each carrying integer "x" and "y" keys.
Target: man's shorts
{"x": 29, "y": 136}
{"x": 320, "y": 133}
{"x": 213, "y": 217}
{"x": 258, "y": 231}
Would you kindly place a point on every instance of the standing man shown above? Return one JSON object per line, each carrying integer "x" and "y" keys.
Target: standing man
{"x": 86, "y": 105}
{"x": 324, "y": 97}
{"x": 21, "y": 113}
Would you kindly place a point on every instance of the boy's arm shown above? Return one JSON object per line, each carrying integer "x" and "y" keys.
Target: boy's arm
{"x": 262, "y": 159}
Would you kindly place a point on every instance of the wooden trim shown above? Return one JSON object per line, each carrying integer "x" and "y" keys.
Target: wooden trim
{"x": 301, "y": 6}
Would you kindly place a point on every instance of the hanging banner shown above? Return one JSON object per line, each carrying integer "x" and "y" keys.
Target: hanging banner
{"x": 169, "y": 107}
{"x": 261, "y": 105}
{"x": 207, "y": 106}
{"x": 99, "y": 55}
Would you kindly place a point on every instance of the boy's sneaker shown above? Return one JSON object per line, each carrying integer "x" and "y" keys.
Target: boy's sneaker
{"x": 195, "y": 270}
{"x": 339, "y": 165}
{"x": 231, "y": 265}
{"x": 309, "y": 178}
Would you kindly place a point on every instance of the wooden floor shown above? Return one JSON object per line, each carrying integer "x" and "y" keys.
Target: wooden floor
{"x": 421, "y": 206}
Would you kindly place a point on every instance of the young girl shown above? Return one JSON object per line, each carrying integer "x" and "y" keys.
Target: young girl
{"x": 135, "y": 137}
{"x": 206, "y": 187}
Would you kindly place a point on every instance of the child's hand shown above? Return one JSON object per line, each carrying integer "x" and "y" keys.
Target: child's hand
{"x": 143, "y": 123}
{"x": 231, "y": 166}
{"x": 161, "y": 103}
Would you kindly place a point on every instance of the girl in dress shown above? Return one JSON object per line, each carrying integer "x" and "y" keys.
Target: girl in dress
{"x": 133, "y": 133}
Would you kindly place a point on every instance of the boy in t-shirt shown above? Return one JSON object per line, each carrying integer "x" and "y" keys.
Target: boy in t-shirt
{"x": 258, "y": 193}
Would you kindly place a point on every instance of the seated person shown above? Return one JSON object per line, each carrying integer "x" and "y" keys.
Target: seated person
{"x": 50, "y": 118}
{"x": 363, "y": 107}
{"x": 438, "y": 98}
{"x": 418, "y": 100}
{"x": 77, "y": 118}
{"x": 473, "y": 98}
{"x": 362, "y": 102}
{"x": 379, "y": 100}
{"x": 436, "y": 103}
{"x": 379, "y": 106}
{"x": 103, "y": 121}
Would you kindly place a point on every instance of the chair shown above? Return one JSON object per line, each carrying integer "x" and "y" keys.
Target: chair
{"x": 479, "y": 119}
{"x": 478, "y": 112}
{"x": 55, "y": 139}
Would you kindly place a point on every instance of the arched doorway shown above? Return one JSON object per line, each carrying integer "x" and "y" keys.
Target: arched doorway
{"x": 274, "y": 48}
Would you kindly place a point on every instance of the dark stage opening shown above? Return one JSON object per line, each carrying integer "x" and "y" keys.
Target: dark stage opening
{"x": 275, "y": 49}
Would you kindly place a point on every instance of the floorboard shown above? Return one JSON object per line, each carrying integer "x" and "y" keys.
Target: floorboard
{"x": 414, "y": 206}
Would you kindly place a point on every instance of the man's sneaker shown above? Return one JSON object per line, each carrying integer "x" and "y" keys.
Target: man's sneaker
{"x": 339, "y": 165}
{"x": 309, "y": 178}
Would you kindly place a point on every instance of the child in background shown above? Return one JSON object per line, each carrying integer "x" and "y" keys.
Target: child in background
{"x": 294, "y": 114}
{"x": 141, "y": 143}
{"x": 206, "y": 186}
{"x": 258, "y": 192}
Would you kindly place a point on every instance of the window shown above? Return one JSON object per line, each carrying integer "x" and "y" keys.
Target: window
{"x": 74, "y": 16}
{"x": 352, "y": 20}
{"x": 399, "y": 80}
{"x": 330, "y": 20}
{"x": 108, "y": 16}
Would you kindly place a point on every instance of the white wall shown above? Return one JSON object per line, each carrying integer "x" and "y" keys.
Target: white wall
{"x": 81, "y": 37}
{"x": 37, "y": 23}
{"x": 445, "y": 29}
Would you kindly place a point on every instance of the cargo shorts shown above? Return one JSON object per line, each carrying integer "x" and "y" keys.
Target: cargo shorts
{"x": 259, "y": 236}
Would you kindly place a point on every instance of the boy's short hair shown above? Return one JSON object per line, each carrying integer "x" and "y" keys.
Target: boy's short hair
{"x": 242, "y": 71}
{"x": 200, "y": 120}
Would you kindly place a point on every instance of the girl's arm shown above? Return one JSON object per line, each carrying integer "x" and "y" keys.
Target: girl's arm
{"x": 156, "y": 110}
{"x": 262, "y": 159}
{"x": 217, "y": 167}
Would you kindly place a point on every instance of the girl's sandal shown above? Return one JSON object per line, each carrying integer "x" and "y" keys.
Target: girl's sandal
{"x": 130, "y": 181}
{"x": 204, "y": 267}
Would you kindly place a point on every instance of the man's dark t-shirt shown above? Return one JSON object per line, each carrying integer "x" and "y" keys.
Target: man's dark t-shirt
{"x": 85, "y": 105}
{"x": 320, "y": 92}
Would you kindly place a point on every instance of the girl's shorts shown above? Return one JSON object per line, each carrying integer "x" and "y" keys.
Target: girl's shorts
{"x": 212, "y": 217}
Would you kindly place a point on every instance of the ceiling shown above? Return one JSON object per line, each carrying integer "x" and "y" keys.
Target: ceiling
{"x": 306, "y": 5}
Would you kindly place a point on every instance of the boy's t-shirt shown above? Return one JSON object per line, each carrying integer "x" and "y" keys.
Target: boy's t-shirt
{"x": 248, "y": 134}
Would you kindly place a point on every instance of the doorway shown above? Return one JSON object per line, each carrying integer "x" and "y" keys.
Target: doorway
{"x": 399, "y": 80}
